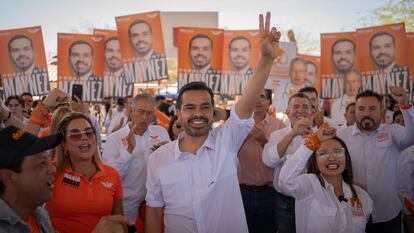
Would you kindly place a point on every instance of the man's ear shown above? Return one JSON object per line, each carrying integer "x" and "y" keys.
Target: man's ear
{"x": 7, "y": 177}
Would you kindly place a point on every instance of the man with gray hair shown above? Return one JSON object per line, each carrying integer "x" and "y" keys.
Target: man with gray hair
{"x": 128, "y": 150}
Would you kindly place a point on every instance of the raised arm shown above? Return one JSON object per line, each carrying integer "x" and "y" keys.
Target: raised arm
{"x": 269, "y": 45}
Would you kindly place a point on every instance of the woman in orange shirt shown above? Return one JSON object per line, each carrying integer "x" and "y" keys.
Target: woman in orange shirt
{"x": 84, "y": 188}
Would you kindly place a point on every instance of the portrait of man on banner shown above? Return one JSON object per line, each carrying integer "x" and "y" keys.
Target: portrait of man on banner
{"x": 382, "y": 51}
{"x": 81, "y": 60}
{"x": 239, "y": 55}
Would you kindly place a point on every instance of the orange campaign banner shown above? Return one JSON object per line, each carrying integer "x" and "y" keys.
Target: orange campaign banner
{"x": 81, "y": 61}
{"x": 240, "y": 55}
{"x": 23, "y": 66}
{"x": 200, "y": 53}
{"x": 142, "y": 47}
{"x": 410, "y": 58}
{"x": 115, "y": 84}
{"x": 287, "y": 75}
{"x": 313, "y": 71}
{"x": 337, "y": 59}
{"x": 382, "y": 54}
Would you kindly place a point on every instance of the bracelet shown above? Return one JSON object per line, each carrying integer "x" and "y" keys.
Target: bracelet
{"x": 313, "y": 142}
{"x": 8, "y": 118}
{"x": 405, "y": 106}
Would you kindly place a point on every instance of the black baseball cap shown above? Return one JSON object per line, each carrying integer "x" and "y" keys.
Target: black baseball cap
{"x": 16, "y": 144}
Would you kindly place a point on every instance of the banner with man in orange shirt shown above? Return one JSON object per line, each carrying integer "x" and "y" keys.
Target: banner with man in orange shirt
{"x": 23, "y": 65}
{"x": 410, "y": 58}
{"x": 81, "y": 61}
{"x": 382, "y": 55}
{"x": 337, "y": 58}
{"x": 240, "y": 54}
{"x": 200, "y": 53}
{"x": 142, "y": 47}
{"x": 114, "y": 76}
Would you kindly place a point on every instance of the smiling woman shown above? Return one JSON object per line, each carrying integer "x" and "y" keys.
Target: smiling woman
{"x": 85, "y": 189}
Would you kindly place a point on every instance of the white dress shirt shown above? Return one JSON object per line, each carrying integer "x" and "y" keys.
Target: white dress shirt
{"x": 200, "y": 193}
{"x": 374, "y": 162}
{"x": 405, "y": 176}
{"x": 317, "y": 208}
{"x": 132, "y": 167}
{"x": 271, "y": 157}
{"x": 116, "y": 119}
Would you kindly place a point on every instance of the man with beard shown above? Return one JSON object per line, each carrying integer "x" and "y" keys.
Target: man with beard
{"x": 239, "y": 55}
{"x": 21, "y": 53}
{"x": 255, "y": 178}
{"x": 283, "y": 143}
{"x": 81, "y": 59}
{"x": 375, "y": 149}
{"x": 129, "y": 148}
{"x": 382, "y": 51}
{"x": 343, "y": 55}
{"x": 311, "y": 74}
{"x": 194, "y": 178}
{"x": 140, "y": 38}
{"x": 201, "y": 49}
{"x": 114, "y": 74}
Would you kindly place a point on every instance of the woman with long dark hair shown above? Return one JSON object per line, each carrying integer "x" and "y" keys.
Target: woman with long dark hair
{"x": 326, "y": 200}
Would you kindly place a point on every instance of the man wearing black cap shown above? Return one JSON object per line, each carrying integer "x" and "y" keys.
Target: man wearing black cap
{"x": 26, "y": 176}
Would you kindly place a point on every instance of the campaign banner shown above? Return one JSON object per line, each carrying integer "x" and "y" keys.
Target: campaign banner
{"x": 81, "y": 61}
{"x": 142, "y": 47}
{"x": 338, "y": 57}
{"x": 382, "y": 55}
{"x": 115, "y": 84}
{"x": 287, "y": 75}
{"x": 313, "y": 71}
{"x": 23, "y": 66}
{"x": 241, "y": 51}
{"x": 410, "y": 58}
{"x": 200, "y": 52}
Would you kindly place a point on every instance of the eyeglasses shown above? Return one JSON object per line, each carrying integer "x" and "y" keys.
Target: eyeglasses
{"x": 142, "y": 112}
{"x": 76, "y": 134}
{"x": 337, "y": 153}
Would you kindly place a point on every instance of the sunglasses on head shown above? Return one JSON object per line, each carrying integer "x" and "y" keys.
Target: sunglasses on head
{"x": 76, "y": 134}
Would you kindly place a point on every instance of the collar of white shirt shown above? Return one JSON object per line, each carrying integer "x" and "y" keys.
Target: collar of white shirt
{"x": 208, "y": 143}
{"x": 356, "y": 130}
{"x": 345, "y": 188}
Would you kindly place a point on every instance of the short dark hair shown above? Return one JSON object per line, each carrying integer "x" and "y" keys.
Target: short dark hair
{"x": 341, "y": 40}
{"x": 26, "y": 93}
{"x": 194, "y": 86}
{"x": 17, "y": 37}
{"x": 198, "y": 36}
{"x": 14, "y": 97}
{"x": 298, "y": 95}
{"x": 347, "y": 174}
{"x": 79, "y": 42}
{"x": 159, "y": 97}
{"x": 348, "y": 106}
{"x": 136, "y": 22}
{"x": 382, "y": 33}
{"x": 109, "y": 40}
{"x": 309, "y": 89}
{"x": 240, "y": 38}
{"x": 369, "y": 93}
{"x": 396, "y": 113}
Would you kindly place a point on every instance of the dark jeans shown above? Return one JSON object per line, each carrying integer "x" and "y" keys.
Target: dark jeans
{"x": 392, "y": 226}
{"x": 285, "y": 213}
{"x": 259, "y": 206}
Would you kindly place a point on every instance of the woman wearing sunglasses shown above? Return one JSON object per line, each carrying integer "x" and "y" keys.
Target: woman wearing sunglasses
{"x": 326, "y": 200}
{"x": 84, "y": 188}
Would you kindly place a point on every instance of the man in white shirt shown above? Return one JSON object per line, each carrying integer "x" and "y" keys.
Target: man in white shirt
{"x": 375, "y": 149}
{"x": 193, "y": 180}
{"x": 128, "y": 150}
{"x": 282, "y": 143}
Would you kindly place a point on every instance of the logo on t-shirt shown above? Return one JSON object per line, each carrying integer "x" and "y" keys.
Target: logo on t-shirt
{"x": 71, "y": 180}
{"x": 107, "y": 185}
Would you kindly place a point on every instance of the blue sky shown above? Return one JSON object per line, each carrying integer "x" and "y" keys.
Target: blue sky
{"x": 307, "y": 18}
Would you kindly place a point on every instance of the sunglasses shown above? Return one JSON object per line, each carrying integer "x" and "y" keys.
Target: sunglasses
{"x": 337, "y": 153}
{"x": 76, "y": 134}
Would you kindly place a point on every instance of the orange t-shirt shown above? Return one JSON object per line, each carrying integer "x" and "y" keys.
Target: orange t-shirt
{"x": 79, "y": 203}
{"x": 34, "y": 227}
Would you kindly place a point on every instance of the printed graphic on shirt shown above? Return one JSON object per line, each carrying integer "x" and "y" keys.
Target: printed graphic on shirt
{"x": 71, "y": 181}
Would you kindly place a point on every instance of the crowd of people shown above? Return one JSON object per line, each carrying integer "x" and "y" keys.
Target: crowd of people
{"x": 191, "y": 167}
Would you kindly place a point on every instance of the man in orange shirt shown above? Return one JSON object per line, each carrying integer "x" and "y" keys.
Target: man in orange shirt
{"x": 255, "y": 178}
